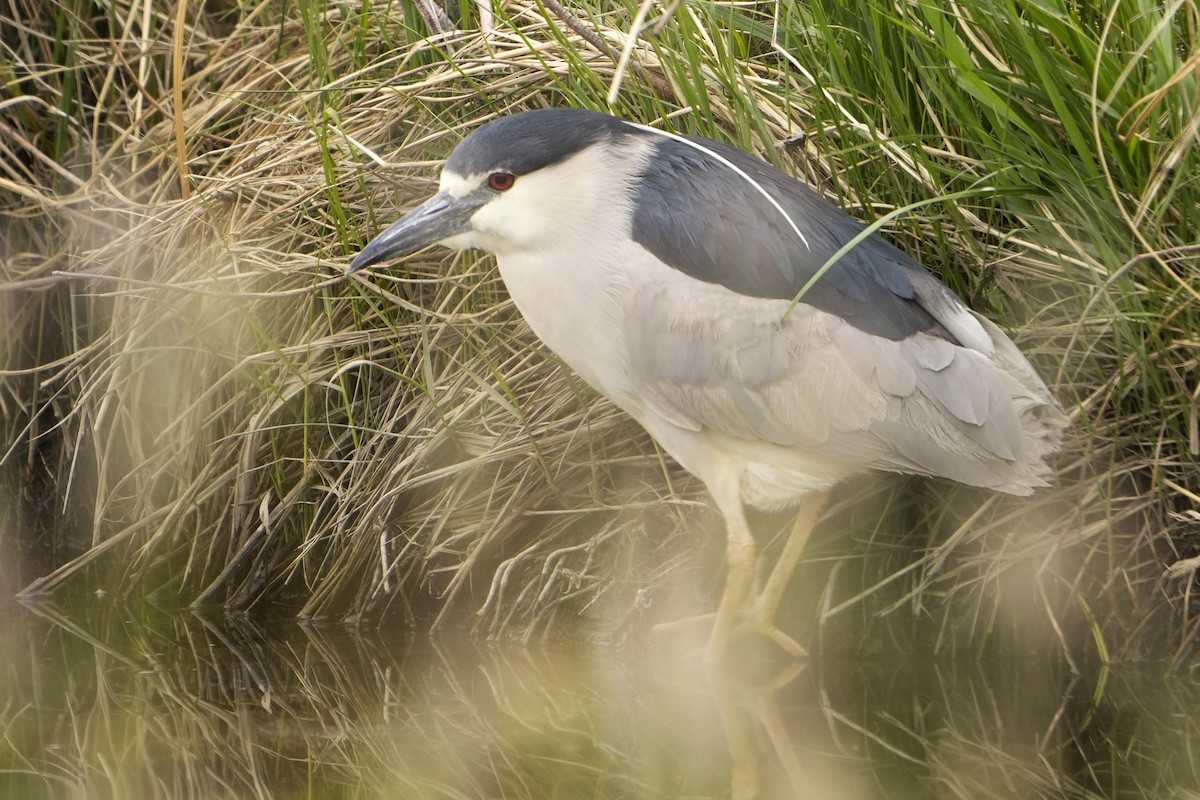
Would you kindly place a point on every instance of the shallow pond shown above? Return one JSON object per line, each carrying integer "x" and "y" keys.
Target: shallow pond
{"x": 107, "y": 701}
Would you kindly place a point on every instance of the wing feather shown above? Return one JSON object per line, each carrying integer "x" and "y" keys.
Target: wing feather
{"x": 706, "y": 358}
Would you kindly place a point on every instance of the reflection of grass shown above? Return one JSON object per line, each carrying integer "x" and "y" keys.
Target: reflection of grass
{"x": 181, "y": 709}
{"x": 228, "y": 421}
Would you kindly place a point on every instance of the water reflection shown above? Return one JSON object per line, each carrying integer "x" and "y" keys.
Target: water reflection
{"x": 101, "y": 703}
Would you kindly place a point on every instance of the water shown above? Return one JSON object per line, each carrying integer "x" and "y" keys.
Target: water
{"x": 103, "y": 700}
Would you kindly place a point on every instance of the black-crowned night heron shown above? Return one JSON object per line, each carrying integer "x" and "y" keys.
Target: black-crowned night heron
{"x": 663, "y": 269}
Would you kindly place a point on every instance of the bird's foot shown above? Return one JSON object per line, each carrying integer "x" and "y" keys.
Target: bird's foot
{"x": 759, "y": 620}
{"x": 719, "y": 643}
{"x": 773, "y": 633}
{"x": 690, "y": 634}
{"x": 685, "y": 625}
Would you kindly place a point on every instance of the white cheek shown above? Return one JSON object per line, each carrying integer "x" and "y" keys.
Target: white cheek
{"x": 515, "y": 219}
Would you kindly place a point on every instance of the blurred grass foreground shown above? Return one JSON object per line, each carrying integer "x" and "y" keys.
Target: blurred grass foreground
{"x": 196, "y": 408}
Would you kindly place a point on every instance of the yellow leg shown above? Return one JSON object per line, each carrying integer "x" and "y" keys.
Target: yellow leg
{"x": 740, "y": 557}
{"x": 766, "y": 605}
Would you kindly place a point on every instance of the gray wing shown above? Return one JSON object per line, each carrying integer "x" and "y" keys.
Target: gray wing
{"x": 708, "y": 359}
{"x": 700, "y": 217}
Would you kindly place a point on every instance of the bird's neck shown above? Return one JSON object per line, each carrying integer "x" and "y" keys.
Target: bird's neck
{"x": 573, "y": 310}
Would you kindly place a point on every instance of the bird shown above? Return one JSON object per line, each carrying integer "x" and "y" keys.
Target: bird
{"x": 688, "y": 281}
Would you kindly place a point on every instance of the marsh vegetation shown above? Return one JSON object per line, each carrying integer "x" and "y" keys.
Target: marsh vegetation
{"x": 198, "y": 411}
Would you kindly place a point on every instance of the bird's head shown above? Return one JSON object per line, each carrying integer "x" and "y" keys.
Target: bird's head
{"x": 519, "y": 182}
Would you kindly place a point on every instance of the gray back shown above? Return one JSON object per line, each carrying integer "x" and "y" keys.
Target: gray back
{"x": 702, "y": 218}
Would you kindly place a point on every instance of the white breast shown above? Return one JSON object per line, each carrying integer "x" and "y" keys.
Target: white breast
{"x": 574, "y": 312}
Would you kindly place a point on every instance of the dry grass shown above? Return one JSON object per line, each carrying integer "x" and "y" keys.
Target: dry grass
{"x": 198, "y": 408}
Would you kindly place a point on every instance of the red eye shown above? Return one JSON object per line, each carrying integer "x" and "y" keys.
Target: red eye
{"x": 501, "y": 181}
